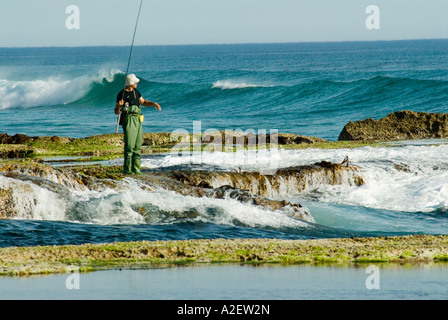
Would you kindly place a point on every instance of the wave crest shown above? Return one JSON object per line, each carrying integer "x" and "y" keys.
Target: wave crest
{"x": 51, "y": 91}
{"x": 229, "y": 85}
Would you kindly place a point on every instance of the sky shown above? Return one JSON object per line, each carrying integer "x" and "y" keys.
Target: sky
{"x": 40, "y": 23}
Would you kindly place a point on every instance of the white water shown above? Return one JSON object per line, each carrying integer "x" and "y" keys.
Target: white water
{"x": 50, "y": 91}
{"x": 133, "y": 204}
{"x": 407, "y": 178}
{"x": 418, "y": 186}
{"x": 233, "y": 84}
{"x": 34, "y": 202}
{"x": 166, "y": 207}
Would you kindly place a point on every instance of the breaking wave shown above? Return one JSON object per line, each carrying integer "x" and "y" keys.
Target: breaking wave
{"x": 229, "y": 85}
{"x": 54, "y": 90}
{"x": 133, "y": 205}
{"x": 101, "y": 87}
{"x": 402, "y": 178}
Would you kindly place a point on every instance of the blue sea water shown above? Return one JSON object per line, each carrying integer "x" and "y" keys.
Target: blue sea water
{"x": 304, "y": 88}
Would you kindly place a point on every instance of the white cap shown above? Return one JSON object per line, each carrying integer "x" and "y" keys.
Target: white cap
{"x": 131, "y": 79}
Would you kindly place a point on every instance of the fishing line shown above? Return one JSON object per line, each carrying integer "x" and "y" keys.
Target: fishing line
{"x": 133, "y": 37}
{"x": 129, "y": 60}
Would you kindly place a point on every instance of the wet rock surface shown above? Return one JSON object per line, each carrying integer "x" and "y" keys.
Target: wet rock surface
{"x": 284, "y": 181}
{"x": 7, "y": 204}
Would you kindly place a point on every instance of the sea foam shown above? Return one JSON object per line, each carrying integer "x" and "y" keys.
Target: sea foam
{"x": 131, "y": 203}
{"x": 405, "y": 178}
{"x": 49, "y": 91}
{"x": 232, "y": 84}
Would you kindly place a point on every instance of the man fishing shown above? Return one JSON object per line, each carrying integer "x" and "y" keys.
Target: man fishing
{"x": 128, "y": 106}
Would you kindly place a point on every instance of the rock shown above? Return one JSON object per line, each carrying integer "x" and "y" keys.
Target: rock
{"x": 39, "y": 173}
{"x": 6, "y": 204}
{"x": 293, "y": 139}
{"x": 157, "y": 139}
{"x": 402, "y": 167}
{"x": 16, "y": 151}
{"x": 250, "y": 139}
{"x": 19, "y": 139}
{"x": 400, "y": 125}
{"x": 22, "y": 146}
{"x": 291, "y": 180}
{"x": 15, "y": 139}
{"x": 294, "y": 210}
{"x": 173, "y": 181}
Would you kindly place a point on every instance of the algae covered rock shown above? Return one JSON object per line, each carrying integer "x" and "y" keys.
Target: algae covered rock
{"x": 294, "y": 139}
{"x": 16, "y": 151}
{"x": 400, "y": 125}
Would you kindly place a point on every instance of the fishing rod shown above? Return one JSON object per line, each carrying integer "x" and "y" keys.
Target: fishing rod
{"x": 129, "y": 60}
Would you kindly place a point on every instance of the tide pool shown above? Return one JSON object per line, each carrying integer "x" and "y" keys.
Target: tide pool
{"x": 237, "y": 282}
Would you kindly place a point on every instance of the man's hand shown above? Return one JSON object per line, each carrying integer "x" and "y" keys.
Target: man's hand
{"x": 157, "y": 106}
{"x": 118, "y": 105}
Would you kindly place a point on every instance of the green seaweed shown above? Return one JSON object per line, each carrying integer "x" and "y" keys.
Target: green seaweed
{"x": 110, "y": 146}
{"x": 441, "y": 258}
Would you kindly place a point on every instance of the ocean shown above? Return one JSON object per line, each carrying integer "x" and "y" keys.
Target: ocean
{"x": 311, "y": 89}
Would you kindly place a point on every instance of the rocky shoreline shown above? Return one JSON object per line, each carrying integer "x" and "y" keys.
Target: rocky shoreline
{"x": 400, "y": 125}
{"x": 416, "y": 249}
{"x": 256, "y": 188}
{"x": 250, "y": 187}
{"x": 109, "y": 146}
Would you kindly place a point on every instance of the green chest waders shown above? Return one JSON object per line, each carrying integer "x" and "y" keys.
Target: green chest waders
{"x": 133, "y": 140}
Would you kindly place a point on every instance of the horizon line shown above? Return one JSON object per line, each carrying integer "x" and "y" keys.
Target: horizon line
{"x": 220, "y": 44}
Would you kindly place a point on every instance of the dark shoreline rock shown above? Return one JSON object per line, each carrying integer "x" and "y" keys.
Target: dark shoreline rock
{"x": 23, "y": 139}
{"x": 16, "y": 151}
{"x": 400, "y": 125}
